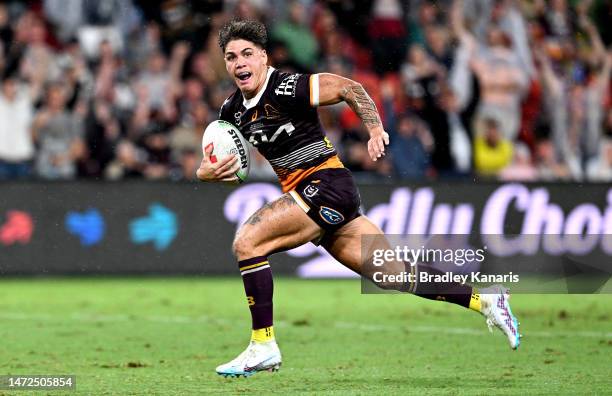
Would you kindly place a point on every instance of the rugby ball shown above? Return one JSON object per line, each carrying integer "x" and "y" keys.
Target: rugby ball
{"x": 226, "y": 139}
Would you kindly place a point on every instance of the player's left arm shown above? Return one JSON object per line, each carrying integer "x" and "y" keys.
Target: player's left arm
{"x": 334, "y": 89}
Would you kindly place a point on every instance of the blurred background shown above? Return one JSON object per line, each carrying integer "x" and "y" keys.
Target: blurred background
{"x": 500, "y": 119}
{"x": 489, "y": 89}
{"x": 492, "y": 91}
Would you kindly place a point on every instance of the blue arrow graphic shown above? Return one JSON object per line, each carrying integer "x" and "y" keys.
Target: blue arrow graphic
{"x": 159, "y": 227}
{"x": 88, "y": 226}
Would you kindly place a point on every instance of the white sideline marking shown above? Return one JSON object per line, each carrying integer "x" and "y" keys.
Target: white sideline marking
{"x": 84, "y": 317}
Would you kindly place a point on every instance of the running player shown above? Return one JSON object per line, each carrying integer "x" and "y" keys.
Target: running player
{"x": 276, "y": 112}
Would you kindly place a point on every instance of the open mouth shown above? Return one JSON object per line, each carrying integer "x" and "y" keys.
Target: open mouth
{"x": 243, "y": 76}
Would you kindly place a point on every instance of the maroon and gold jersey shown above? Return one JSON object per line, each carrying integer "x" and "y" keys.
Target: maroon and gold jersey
{"x": 281, "y": 121}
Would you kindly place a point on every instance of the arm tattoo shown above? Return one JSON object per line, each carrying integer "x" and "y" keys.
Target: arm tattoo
{"x": 358, "y": 100}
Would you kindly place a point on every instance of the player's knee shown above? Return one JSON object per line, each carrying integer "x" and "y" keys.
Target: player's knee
{"x": 244, "y": 247}
{"x": 240, "y": 247}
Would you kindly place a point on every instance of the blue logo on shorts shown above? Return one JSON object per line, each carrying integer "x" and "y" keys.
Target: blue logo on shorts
{"x": 330, "y": 216}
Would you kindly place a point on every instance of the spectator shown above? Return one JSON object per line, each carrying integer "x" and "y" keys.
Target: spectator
{"x": 103, "y": 131}
{"x": 16, "y": 144}
{"x": 550, "y": 168}
{"x": 521, "y": 168}
{"x": 202, "y": 68}
{"x": 411, "y": 143}
{"x": 38, "y": 58}
{"x": 500, "y": 74}
{"x": 426, "y": 15}
{"x": 156, "y": 144}
{"x": 280, "y": 58}
{"x": 599, "y": 168}
{"x": 181, "y": 20}
{"x": 577, "y": 117}
{"x": 505, "y": 15}
{"x": 460, "y": 144}
{"x": 144, "y": 111}
{"x": 59, "y": 137}
{"x": 557, "y": 20}
{"x": 248, "y": 9}
{"x": 427, "y": 89}
{"x": 298, "y": 38}
{"x": 187, "y": 137}
{"x": 187, "y": 164}
{"x": 387, "y": 34}
{"x": 420, "y": 73}
{"x": 129, "y": 162}
{"x": 191, "y": 96}
{"x": 141, "y": 44}
{"x": 155, "y": 81}
{"x": 492, "y": 150}
{"x": 65, "y": 15}
{"x": 106, "y": 21}
{"x": 437, "y": 42}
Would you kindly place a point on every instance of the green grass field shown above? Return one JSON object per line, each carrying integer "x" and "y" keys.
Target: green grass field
{"x": 165, "y": 336}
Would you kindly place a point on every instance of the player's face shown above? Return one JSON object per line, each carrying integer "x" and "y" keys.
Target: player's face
{"x": 246, "y": 63}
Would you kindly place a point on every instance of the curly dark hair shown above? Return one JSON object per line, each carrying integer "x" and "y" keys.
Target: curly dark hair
{"x": 249, "y": 30}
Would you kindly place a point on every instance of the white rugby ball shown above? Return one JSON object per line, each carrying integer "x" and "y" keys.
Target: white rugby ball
{"x": 226, "y": 139}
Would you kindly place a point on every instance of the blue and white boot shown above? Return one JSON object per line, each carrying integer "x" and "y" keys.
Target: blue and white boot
{"x": 495, "y": 302}
{"x": 258, "y": 356}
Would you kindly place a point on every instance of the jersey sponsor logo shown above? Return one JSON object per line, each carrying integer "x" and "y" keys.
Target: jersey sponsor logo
{"x": 330, "y": 215}
{"x": 310, "y": 191}
{"x": 238, "y": 117}
{"x": 257, "y": 137}
{"x": 287, "y": 86}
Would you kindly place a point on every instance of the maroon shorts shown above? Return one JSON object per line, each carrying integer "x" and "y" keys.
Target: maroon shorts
{"x": 329, "y": 197}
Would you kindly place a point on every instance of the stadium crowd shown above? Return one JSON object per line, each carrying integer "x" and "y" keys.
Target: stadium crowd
{"x": 494, "y": 89}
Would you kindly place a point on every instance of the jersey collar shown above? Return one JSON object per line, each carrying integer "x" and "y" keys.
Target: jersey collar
{"x": 250, "y": 103}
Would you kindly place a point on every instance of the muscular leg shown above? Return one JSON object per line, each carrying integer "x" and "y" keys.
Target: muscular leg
{"x": 277, "y": 226}
{"x": 346, "y": 247}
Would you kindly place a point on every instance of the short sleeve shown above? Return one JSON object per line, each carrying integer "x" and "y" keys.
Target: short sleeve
{"x": 298, "y": 89}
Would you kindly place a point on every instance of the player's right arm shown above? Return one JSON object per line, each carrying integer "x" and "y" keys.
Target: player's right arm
{"x": 219, "y": 171}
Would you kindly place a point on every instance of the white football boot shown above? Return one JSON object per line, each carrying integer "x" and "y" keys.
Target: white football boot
{"x": 495, "y": 303}
{"x": 264, "y": 356}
